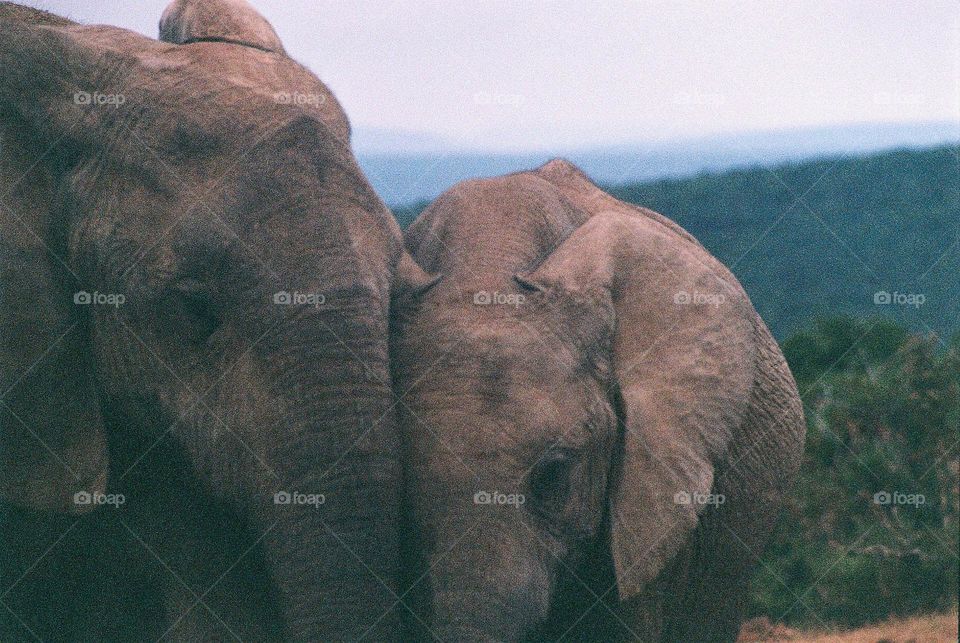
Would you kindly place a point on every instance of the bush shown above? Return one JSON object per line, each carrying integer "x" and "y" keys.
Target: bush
{"x": 872, "y": 527}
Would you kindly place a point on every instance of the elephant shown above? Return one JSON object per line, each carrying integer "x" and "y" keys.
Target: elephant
{"x": 598, "y": 427}
{"x": 197, "y": 432}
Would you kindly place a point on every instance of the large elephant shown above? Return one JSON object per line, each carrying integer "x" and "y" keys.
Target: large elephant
{"x": 599, "y": 428}
{"x": 197, "y": 437}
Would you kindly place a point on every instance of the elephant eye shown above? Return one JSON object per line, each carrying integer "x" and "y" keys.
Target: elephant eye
{"x": 549, "y": 481}
{"x": 196, "y": 309}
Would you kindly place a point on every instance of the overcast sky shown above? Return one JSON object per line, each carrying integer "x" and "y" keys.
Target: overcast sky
{"x": 566, "y": 73}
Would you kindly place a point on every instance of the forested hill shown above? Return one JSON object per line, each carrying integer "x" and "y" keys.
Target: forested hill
{"x": 860, "y": 235}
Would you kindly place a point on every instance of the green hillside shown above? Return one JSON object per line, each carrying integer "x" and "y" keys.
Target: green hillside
{"x": 870, "y": 528}
{"x": 827, "y": 236}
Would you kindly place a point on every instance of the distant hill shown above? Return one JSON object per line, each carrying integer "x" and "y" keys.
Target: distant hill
{"x": 405, "y": 167}
{"x": 828, "y": 236}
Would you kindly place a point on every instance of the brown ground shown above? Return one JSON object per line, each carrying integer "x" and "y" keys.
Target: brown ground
{"x": 935, "y": 628}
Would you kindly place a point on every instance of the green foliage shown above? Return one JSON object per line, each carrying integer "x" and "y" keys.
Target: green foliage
{"x": 823, "y": 237}
{"x": 883, "y": 416}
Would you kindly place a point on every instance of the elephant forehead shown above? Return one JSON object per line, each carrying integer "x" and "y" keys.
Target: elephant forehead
{"x": 503, "y": 365}
{"x": 501, "y": 389}
{"x": 503, "y": 347}
{"x": 220, "y": 89}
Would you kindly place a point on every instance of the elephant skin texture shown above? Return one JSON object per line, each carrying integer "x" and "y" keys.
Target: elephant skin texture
{"x": 598, "y": 428}
{"x": 197, "y": 434}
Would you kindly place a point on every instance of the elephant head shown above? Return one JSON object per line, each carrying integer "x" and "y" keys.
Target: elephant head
{"x": 193, "y": 265}
{"x": 581, "y": 391}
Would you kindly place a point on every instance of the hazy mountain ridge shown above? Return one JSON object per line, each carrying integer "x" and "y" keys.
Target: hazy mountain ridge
{"x": 407, "y": 167}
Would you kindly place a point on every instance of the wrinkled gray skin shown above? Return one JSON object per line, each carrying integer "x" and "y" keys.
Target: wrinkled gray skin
{"x": 197, "y": 198}
{"x": 591, "y": 386}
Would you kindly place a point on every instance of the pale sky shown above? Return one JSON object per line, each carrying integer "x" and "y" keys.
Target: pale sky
{"x": 512, "y": 75}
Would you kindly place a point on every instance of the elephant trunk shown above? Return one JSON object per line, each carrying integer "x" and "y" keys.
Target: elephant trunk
{"x": 330, "y": 513}
{"x": 487, "y": 582}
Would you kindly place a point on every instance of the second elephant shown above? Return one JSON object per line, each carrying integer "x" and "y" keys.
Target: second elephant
{"x": 600, "y": 429}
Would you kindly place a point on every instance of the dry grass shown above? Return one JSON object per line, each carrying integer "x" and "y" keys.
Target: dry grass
{"x": 935, "y": 628}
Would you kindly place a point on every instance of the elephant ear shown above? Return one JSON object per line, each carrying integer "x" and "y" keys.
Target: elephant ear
{"x": 410, "y": 280}
{"x": 52, "y": 440}
{"x": 683, "y": 359}
{"x": 187, "y": 21}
